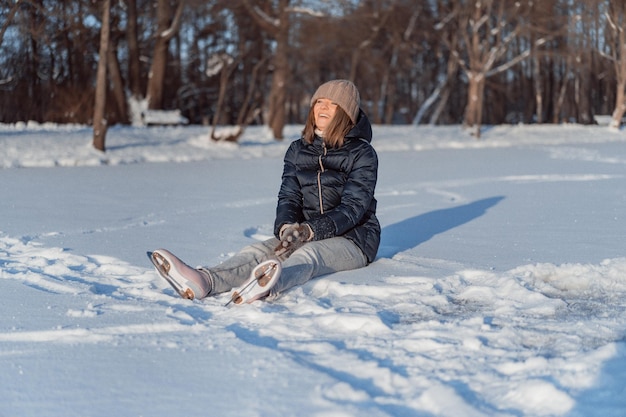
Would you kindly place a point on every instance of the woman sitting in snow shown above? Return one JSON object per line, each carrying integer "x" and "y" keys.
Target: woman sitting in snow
{"x": 325, "y": 218}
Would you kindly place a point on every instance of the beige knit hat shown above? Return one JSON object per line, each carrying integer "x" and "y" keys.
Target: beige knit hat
{"x": 342, "y": 92}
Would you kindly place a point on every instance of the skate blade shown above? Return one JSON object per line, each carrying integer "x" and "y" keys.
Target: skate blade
{"x": 163, "y": 268}
{"x": 237, "y": 298}
{"x": 262, "y": 277}
{"x": 265, "y": 274}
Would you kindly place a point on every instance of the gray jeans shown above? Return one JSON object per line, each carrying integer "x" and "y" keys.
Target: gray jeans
{"x": 311, "y": 260}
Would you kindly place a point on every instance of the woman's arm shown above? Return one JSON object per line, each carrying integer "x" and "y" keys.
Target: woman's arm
{"x": 289, "y": 207}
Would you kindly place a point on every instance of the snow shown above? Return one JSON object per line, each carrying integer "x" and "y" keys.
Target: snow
{"x": 499, "y": 289}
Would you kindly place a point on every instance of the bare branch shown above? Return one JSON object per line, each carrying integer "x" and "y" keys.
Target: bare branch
{"x": 8, "y": 20}
{"x": 175, "y": 26}
{"x": 305, "y": 10}
{"x": 267, "y": 23}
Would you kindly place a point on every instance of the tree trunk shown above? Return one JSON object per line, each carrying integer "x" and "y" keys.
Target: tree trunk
{"x": 620, "y": 68}
{"x": 451, "y": 73}
{"x": 473, "y": 111}
{"x": 618, "y": 112}
{"x": 154, "y": 95}
{"x": 134, "y": 66}
{"x": 280, "y": 80}
{"x": 32, "y": 66}
{"x": 246, "y": 114}
{"x": 585, "y": 113}
{"x": 99, "y": 121}
{"x": 117, "y": 83}
{"x": 538, "y": 83}
{"x": 166, "y": 29}
{"x": 228, "y": 66}
{"x": 441, "y": 93}
{"x": 560, "y": 99}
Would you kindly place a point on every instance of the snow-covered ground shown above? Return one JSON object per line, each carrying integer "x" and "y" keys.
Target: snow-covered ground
{"x": 499, "y": 290}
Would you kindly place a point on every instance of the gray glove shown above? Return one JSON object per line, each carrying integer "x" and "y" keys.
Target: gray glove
{"x": 292, "y": 237}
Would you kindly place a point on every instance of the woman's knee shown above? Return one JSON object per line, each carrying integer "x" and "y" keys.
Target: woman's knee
{"x": 262, "y": 249}
{"x": 336, "y": 253}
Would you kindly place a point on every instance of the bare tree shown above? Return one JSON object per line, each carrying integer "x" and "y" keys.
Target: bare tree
{"x": 277, "y": 25}
{"x": 276, "y": 22}
{"x": 616, "y": 54}
{"x": 375, "y": 21}
{"x": 547, "y": 22}
{"x": 247, "y": 112}
{"x": 487, "y": 29}
{"x": 7, "y": 20}
{"x": 444, "y": 26}
{"x": 134, "y": 67}
{"x": 225, "y": 65}
{"x": 99, "y": 121}
{"x": 438, "y": 62}
{"x": 167, "y": 28}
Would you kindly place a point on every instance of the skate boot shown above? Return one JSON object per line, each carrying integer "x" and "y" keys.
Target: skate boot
{"x": 188, "y": 282}
{"x": 261, "y": 281}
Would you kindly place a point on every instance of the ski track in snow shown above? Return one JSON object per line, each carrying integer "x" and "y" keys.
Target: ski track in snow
{"x": 381, "y": 342}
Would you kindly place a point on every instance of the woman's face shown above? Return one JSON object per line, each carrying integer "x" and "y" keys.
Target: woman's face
{"x": 323, "y": 111}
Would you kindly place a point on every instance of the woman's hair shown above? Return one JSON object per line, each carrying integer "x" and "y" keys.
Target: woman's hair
{"x": 335, "y": 132}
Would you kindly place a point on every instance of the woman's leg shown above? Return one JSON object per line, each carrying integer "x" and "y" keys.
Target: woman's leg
{"x": 318, "y": 258}
{"x": 234, "y": 271}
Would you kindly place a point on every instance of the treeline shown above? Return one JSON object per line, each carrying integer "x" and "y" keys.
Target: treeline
{"x": 235, "y": 62}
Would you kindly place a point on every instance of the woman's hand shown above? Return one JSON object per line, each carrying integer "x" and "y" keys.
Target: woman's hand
{"x": 292, "y": 237}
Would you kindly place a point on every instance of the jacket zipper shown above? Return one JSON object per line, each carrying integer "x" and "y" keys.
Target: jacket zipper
{"x": 319, "y": 178}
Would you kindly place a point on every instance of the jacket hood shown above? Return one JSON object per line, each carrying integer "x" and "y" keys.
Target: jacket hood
{"x": 362, "y": 129}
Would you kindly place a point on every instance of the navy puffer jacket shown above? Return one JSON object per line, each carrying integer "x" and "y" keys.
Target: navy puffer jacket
{"x": 333, "y": 189}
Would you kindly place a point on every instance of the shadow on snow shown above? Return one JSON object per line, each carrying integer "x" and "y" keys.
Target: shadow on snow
{"x": 414, "y": 231}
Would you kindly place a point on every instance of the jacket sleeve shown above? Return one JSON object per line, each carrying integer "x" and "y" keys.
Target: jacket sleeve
{"x": 289, "y": 207}
{"x": 356, "y": 196}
